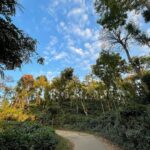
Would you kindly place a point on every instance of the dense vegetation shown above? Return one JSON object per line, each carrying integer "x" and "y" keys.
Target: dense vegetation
{"x": 25, "y": 136}
{"x": 113, "y": 101}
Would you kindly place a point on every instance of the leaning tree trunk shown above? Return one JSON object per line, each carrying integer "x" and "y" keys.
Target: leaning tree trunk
{"x": 84, "y": 108}
{"x": 107, "y": 99}
{"x": 102, "y": 107}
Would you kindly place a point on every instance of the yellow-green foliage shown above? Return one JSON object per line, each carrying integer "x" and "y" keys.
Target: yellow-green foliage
{"x": 8, "y": 112}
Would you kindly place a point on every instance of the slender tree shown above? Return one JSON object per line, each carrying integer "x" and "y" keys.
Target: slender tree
{"x": 24, "y": 90}
{"x": 109, "y": 67}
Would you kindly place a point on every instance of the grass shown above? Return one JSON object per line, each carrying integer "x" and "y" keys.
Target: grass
{"x": 64, "y": 144}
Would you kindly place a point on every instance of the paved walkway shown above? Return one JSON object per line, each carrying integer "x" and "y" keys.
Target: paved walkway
{"x": 82, "y": 141}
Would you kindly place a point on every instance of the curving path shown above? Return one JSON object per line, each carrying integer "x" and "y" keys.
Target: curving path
{"x": 83, "y": 141}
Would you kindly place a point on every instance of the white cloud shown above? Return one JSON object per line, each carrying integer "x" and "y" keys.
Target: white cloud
{"x": 77, "y": 42}
{"x": 78, "y": 51}
{"x": 47, "y": 60}
{"x": 85, "y": 33}
{"x": 60, "y": 55}
{"x": 85, "y": 18}
{"x": 76, "y": 12}
{"x": 79, "y": 1}
{"x": 49, "y": 75}
{"x": 148, "y": 32}
{"x": 46, "y": 23}
{"x": 144, "y": 50}
{"x": 62, "y": 24}
{"x": 62, "y": 27}
{"x": 52, "y": 42}
{"x": 135, "y": 17}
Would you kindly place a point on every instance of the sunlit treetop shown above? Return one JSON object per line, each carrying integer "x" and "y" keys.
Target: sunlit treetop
{"x": 26, "y": 81}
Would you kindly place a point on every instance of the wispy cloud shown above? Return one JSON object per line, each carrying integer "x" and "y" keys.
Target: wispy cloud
{"x": 80, "y": 44}
{"x": 76, "y": 41}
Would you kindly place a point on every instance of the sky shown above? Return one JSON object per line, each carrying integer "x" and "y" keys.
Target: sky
{"x": 67, "y": 35}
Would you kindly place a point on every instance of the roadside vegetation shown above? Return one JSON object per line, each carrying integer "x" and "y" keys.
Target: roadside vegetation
{"x": 64, "y": 144}
{"x": 26, "y": 136}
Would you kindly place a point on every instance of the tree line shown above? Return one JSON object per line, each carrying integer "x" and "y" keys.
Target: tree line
{"x": 112, "y": 84}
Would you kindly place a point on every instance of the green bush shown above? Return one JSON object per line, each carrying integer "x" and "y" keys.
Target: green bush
{"x": 26, "y": 136}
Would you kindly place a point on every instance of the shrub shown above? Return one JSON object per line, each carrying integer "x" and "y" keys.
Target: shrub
{"x": 26, "y": 136}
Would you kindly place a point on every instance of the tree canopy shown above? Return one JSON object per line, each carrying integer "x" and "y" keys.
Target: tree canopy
{"x": 17, "y": 47}
{"x": 114, "y": 13}
{"x": 120, "y": 28}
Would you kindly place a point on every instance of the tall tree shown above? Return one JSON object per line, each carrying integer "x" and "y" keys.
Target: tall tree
{"x": 65, "y": 77}
{"x": 16, "y": 46}
{"x": 40, "y": 85}
{"x": 119, "y": 28}
{"x": 24, "y": 91}
{"x": 109, "y": 67}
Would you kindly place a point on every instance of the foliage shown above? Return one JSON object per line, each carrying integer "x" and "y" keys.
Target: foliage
{"x": 114, "y": 13}
{"x": 49, "y": 114}
{"x": 141, "y": 37}
{"x": 67, "y": 74}
{"x": 11, "y": 113}
{"x": 146, "y": 79}
{"x": 64, "y": 144}
{"x": 8, "y": 7}
{"x": 123, "y": 117}
{"x": 120, "y": 29}
{"x": 16, "y": 46}
{"x": 26, "y": 136}
{"x": 113, "y": 101}
{"x": 109, "y": 65}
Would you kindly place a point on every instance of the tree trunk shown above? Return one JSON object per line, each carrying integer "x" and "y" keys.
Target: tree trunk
{"x": 102, "y": 107}
{"x": 114, "y": 95}
{"x": 108, "y": 100}
{"x": 84, "y": 108}
{"x": 77, "y": 108}
{"x": 114, "y": 104}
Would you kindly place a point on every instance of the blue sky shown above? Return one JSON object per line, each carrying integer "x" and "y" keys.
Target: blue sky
{"x": 67, "y": 35}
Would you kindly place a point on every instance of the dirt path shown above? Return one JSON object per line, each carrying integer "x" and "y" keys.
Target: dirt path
{"x": 83, "y": 141}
